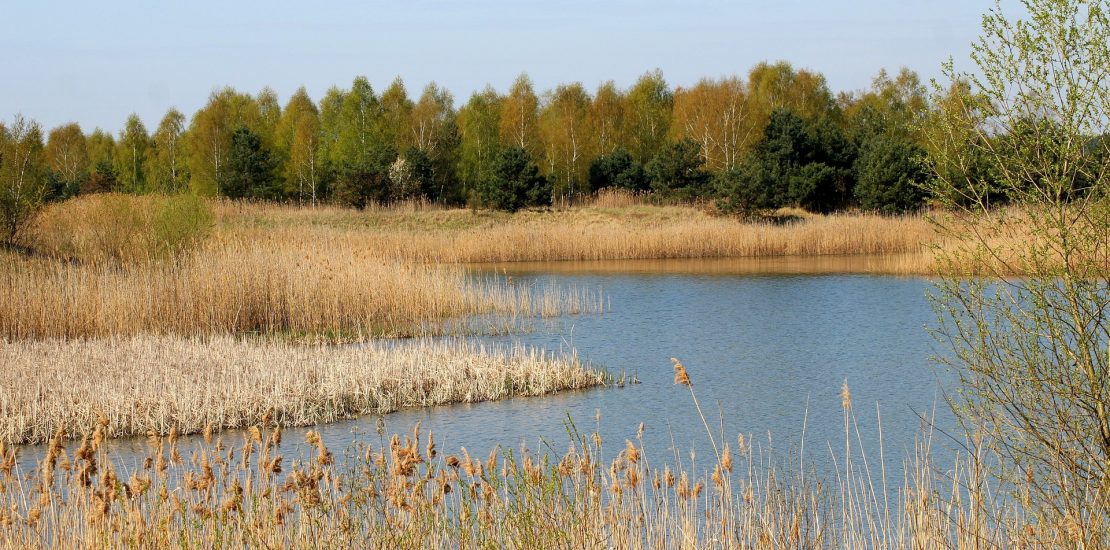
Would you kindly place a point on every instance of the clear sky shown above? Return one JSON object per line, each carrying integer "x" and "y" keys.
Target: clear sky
{"x": 96, "y": 62}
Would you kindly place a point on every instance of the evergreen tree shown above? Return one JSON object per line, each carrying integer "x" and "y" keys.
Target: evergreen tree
{"x": 678, "y": 171}
{"x": 618, "y": 169}
{"x": 797, "y": 163}
{"x": 249, "y": 172}
{"x": 889, "y": 175}
{"x": 516, "y": 182}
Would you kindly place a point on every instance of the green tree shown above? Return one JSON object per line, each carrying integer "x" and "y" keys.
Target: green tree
{"x": 166, "y": 170}
{"x": 618, "y": 169}
{"x": 890, "y": 175}
{"x": 435, "y": 133}
{"x": 397, "y": 115}
{"x": 362, "y": 152}
{"x": 23, "y": 186}
{"x": 130, "y": 157}
{"x": 480, "y": 140}
{"x": 1033, "y": 353}
{"x": 605, "y": 121}
{"x": 563, "y": 132}
{"x": 678, "y": 172}
{"x": 516, "y": 182}
{"x": 67, "y": 156}
{"x": 648, "y": 116}
{"x": 797, "y": 163}
{"x": 298, "y": 136}
{"x": 249, "y": 172}
{"x": 519, "y": 124}
{"x": 210, "y": 136}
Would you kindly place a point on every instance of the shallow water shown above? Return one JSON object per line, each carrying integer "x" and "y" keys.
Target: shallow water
{"x": 767, "y": 349}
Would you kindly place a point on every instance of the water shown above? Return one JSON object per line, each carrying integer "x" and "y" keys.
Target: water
{"x": 768, "y": 345}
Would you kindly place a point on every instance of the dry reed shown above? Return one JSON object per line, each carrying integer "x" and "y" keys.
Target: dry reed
{"x": 266, "y": 285}
{"x": 585, "y": 233}
{"x": 156, "y": 384}
{"x": 406, "y": 493}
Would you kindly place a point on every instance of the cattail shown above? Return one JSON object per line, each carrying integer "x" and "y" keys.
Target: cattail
{"x": 680, "y": 375}
{"x": 631, "y": 452}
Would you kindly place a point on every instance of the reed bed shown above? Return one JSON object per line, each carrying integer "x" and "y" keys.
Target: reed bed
{"x": 587, "y": 233}
{"x": 405, "y": 493}
{"x": 294, "y": 287}
{"x": 148, "y": 384}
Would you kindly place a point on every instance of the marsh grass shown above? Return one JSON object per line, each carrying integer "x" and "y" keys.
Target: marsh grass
{"x": 154, "y": 385}
{"x": 264, "y": 285}
{"x": 404, "y": 492}
{"x": 636, "y": 231}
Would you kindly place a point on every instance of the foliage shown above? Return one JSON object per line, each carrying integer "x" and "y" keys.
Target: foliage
{"x": 678, "y": 171}
{"x": 516, "y": 182}
{"x": 23, "y": 185}
{"x": 618, "y": 169}
{"x": 342, "y": 148}
{"x": 889, "y": 176}
{"x": 797, "y": 163}
{"x": 250, "y": 168}
{"x": 1033, "y": 353}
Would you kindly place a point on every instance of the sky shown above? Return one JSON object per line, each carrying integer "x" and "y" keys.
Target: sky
{"x": 96, "y": 62}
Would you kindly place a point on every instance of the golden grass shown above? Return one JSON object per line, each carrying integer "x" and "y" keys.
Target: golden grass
{"x": 154, "y": 385}
{"x": 407, "y": 494}
{"x": 286, "y": 284}
{"x": 582, "y": 233}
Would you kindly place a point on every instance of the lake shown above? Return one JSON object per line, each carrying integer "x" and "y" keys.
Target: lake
{"x": 768, "y": 344}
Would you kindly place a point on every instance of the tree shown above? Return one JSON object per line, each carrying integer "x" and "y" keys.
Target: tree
{"x": 716, "y": 114}
{"x": 166, "y": 171}
{"x": 1032, "y": 353}
{"x": 480, "y": 140}
{"x": 798, "y": 163}
{"x": 67, "y": 156}
{"x": 362, "y": 151}
{"x": 895, "y": 107}
{"x": 210, "y": 136}
{"x": 778, "y": 86}
{"x": 249, "y": 172}
{"x": 101, "y": 147}
{"x": 22, "y": 177}
{"x": 130, "y": 155}
{"x": 516, "y": 182}
{"x": 618, "y": 169}
{"x": 435, "y": 133}
{"x": 397, "y": 115}
{"x": 563, "y": 131}
{"x": 605, "y": 121}
{"x": 648, "y": 116}
{"x": 890, "y": 175}
{"x": 298, "y": 135}
{"x": 519, "y": 124}
{"x": 411, "y": 176}
{"x": 678, "y": 171}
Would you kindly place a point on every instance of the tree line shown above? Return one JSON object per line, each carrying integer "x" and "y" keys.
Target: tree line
{"x": 779, "y": 137}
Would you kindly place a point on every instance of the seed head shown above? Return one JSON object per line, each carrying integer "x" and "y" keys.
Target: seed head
{"x": 680, "y": 375}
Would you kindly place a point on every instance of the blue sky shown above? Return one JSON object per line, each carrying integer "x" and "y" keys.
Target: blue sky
{"x": 96, "y": 62}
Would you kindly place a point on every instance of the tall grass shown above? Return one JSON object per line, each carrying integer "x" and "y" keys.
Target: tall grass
{"x": 405, "y": 493}
{"x": 584, "y": 233}
{"x": 154, "y": 385}
{"x": 270, "y": 284}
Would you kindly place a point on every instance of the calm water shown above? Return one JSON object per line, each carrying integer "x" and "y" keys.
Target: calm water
{"x": 768, "y": 349}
